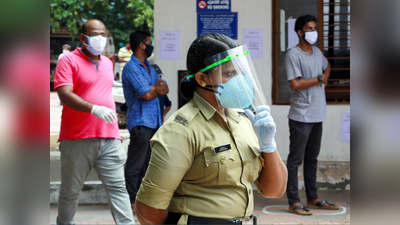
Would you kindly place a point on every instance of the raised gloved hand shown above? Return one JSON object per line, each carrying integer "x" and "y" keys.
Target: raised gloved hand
{"x": 264, "y": 127}
{"x": 104, "y": 113}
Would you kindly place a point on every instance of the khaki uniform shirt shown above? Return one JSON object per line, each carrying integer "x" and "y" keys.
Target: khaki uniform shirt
{"x": 186, "y": 176}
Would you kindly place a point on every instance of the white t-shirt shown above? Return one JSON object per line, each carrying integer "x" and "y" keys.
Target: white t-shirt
{"x": 62, "y": 54}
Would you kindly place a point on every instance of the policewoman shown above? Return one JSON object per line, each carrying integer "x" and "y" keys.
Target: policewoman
{"x": 208, "y": 154}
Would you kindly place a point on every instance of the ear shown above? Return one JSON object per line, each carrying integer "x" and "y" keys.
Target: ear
{"x": 300, "y": 33}
{"x": 143, "y": 46}
{"x": 81, "y": 37}
{"x": 201, "y": 78}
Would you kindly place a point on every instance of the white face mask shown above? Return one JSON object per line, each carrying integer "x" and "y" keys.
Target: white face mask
{"x": 311, "y": 37}
{"x": 65, "y": 50}
{"x": 96, "y": 44}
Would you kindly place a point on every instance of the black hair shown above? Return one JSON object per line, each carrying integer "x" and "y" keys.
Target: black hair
{"x": 127, "y": 41}
{"x": 302, "y": 21}
{"x": 202, "y": 48}
{"x": 138, "y": 37}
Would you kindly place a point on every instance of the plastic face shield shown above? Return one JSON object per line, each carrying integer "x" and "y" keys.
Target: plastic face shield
{"x": 234, "y": 79}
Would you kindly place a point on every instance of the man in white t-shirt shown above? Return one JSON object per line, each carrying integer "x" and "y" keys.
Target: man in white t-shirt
{"x": 66, "y": 49}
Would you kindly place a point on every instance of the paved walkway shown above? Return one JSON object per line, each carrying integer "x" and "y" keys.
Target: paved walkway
{"x": 268, "y": 211}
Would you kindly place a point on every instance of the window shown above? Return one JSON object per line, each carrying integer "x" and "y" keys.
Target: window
{"x": 336, "y": 46}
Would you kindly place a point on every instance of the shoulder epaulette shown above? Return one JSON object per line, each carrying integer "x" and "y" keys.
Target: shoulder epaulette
{"x": 186, "y": 113}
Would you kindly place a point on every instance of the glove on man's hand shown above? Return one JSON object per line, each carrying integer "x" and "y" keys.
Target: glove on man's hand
{"x": 264, "y": 127}
{"x": 104, "y": 113}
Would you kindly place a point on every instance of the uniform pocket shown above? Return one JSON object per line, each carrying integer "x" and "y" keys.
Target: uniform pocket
{"x": 256, "y": 159}
{"x": 220, "y": 167}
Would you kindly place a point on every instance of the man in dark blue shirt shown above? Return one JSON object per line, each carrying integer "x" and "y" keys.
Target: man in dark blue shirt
{"x": 165, "y": 106}
{"x": 142, "y": 87}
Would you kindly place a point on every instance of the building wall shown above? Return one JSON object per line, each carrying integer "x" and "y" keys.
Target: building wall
{"x": 180, "y": 15}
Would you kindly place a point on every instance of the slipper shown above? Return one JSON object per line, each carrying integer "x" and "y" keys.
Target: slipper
{"x": 319, "y": 205}
{"x": 306, "y": 213}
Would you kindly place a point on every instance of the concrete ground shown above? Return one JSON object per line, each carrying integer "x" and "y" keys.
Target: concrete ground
{"x": 268, "y": 211}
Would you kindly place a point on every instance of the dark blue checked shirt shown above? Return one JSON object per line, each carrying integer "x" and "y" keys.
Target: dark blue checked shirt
{"x": 136, "y": 80}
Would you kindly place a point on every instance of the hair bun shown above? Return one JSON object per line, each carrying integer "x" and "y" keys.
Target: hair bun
{"x": 187, "y": 88}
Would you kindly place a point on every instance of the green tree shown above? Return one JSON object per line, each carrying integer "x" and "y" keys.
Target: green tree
{"x": 121, "y": 17}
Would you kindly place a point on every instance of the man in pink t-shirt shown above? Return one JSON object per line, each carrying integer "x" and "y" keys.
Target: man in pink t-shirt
{"x": 89, "y": 135}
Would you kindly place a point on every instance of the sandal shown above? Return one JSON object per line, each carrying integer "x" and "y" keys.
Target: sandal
{"x": 306, "y": 213}
{"x": 319, "y": 205}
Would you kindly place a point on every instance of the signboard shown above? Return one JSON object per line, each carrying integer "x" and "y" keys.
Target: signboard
{"x": 213, "y": 6}
{"x": 254, "y": 39}
{"x": 169, "y": 45}
{"x": 222, "y": 23}
{"x": 346, "y": 127}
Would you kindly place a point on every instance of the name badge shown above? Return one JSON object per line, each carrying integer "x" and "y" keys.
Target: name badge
{"x": 222, "y": 148}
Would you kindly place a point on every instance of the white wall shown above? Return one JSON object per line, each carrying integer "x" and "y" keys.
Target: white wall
{"x": 180, "y": 15}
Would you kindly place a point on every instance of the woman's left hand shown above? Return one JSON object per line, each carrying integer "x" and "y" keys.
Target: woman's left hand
{"x": 264, "y": 127}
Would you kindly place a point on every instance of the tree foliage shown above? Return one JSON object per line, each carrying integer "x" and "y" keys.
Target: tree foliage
{"x": 121, "y": 17}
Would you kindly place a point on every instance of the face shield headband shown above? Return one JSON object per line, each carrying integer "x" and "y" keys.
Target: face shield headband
{"x": 226, "y": 59}
{"x": 227, "y": 93}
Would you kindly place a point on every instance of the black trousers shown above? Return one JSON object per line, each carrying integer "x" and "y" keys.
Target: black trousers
{"x": 138, "y": 159}
{"x": 305, "y": 144}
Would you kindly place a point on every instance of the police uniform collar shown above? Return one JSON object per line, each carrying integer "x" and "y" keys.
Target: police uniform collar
{"x": 235, "y": 114}
{"x": 208, "y": 111}
{"x": 205, "y": 108}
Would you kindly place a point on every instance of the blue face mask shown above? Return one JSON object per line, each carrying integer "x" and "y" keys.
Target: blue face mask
{"x": 236, "y": 93}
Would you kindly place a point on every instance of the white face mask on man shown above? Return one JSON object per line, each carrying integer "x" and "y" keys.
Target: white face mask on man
{"x": 96, "y": 44}
{"x": 311, "y": 37}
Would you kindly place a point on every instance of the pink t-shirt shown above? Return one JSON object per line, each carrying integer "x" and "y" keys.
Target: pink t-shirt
{"x": 92, "y": 85}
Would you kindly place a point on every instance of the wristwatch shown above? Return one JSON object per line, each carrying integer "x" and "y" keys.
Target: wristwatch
{"x": 320, "y": 78}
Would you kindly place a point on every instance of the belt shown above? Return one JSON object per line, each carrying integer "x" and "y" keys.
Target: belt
{"x": 201, "y": 220}
{"x": 173, "y": 218}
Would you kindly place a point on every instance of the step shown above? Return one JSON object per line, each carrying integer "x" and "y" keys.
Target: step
{"x": 93, "y": 193}
{"x": 333, "y": 176}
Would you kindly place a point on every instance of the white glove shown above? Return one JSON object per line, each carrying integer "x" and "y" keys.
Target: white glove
{"x": 264, "y": 127}
{"x": 104, "y": 113}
